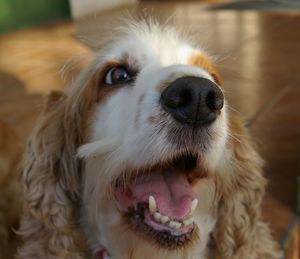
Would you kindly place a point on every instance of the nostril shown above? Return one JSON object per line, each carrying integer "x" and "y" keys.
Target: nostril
{"x": 211, "y": 100}
{"x": 214, "y": 100}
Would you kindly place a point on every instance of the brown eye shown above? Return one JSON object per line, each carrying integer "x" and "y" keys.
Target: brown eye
{"x": 117, "y": 75}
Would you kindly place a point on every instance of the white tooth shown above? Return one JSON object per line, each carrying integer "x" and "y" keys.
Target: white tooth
{"x": 171, "y": 224}
{"x": 188, "y": 222}
{"x": 193, "y": 207}
{"x": 177, "y": 225}
{"x": 157, "y": 216}
{"x": 152, "y": 205}
{"x": 174, "y": 224}
{"x": 164, "y": 219}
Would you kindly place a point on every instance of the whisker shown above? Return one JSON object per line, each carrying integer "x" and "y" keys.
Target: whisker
{"x": 231, "y": 135}
{"x": 233, "y": 109}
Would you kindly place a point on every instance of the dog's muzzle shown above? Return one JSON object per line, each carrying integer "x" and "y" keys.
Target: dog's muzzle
{"x": 194, "y": 101}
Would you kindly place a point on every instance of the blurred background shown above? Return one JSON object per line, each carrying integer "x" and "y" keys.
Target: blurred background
{"x": 44, "y": 44}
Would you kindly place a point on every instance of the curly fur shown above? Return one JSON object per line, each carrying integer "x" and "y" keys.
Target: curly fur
{"x": 51, "y": 178}
{"x": 239, "y": 232}
{"x": 52, "y": 225}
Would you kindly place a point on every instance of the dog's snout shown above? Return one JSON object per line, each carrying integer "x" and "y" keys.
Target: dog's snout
{"x": 193, "y": 100}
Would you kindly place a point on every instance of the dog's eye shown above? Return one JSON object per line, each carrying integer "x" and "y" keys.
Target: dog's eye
{"x": 117, "y": 75}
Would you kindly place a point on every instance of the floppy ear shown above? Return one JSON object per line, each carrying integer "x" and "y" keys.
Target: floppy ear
{"x": 52, "y": 174}
{"x": 239, "y": 231}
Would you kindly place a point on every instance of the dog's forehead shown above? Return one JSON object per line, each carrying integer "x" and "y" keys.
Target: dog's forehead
{"x": 163, "y": 47}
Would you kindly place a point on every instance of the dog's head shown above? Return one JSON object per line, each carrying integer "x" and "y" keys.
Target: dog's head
{"x": 157, "y": 130}
{"x": 141, "y": 141}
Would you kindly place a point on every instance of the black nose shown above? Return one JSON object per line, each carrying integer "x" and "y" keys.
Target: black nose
{"x": 193, "y": 100}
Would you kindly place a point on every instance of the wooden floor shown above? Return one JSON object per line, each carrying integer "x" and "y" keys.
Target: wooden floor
{"x": 258, "y": 55}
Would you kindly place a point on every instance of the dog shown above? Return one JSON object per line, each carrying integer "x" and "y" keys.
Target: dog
{"x": 142, "y": 159}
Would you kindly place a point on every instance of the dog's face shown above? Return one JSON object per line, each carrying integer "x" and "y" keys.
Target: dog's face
{"x": 154, "y": 139}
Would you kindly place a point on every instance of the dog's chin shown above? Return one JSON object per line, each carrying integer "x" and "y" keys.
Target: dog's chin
{"x": 158, "y": 201}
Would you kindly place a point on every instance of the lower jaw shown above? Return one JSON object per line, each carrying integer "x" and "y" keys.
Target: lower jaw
{"x": 164, "y": 238}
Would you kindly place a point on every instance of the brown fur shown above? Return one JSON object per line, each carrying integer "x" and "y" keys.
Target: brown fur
{"x": 203, "y": 61}
{"x": 51, "y": 176}
{"x": 240, "y": 232}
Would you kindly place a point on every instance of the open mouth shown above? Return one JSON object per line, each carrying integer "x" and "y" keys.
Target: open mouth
{"x": 160, "y": 201}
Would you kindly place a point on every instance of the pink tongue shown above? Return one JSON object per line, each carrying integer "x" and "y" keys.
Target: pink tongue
{"x": 171, "y": 190}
